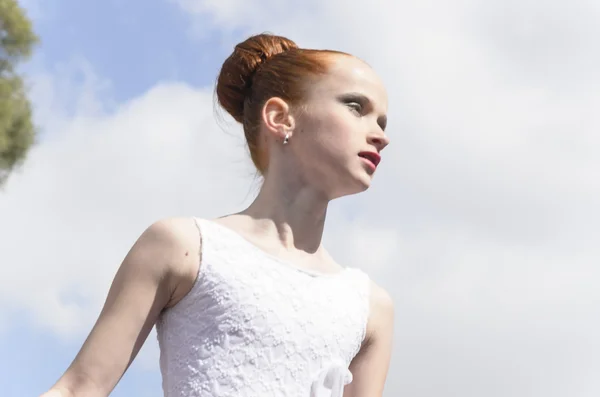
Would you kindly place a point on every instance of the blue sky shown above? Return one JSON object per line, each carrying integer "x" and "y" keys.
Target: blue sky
{"x": 134, "y": 44}
{"x": 482, "y": 221}
{"x": 33, "y": 359}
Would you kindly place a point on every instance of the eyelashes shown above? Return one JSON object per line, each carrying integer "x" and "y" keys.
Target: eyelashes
{"x": 360, "y": 105}
{"x": 357, "y": 103}
{"x": 355, "y": 107}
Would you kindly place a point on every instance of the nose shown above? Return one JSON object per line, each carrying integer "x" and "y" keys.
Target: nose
{"x": 379, "y": 139}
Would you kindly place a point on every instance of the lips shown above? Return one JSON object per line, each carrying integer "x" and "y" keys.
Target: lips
{"x": 373, "y": 157}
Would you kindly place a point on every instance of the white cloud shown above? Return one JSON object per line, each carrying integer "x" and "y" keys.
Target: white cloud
{"x": 483, "y": 221}
{"x": 100, "y": 175}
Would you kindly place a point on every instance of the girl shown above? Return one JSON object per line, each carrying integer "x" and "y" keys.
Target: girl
{"x": 251, "y": 304}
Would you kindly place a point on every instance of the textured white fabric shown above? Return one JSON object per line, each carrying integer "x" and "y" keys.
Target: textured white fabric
{"x": 254, "y": 325}
{"x": 331, "y": 381}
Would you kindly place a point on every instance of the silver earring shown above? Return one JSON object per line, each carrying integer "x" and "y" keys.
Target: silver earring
{"x": 286, "y": 139}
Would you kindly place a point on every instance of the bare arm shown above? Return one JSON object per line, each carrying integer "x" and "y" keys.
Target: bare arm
{"x": 160, "y": 268}
{"x": 369, "y": 368}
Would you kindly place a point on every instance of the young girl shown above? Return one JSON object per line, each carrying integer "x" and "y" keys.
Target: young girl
{"x": 251, "y": 304}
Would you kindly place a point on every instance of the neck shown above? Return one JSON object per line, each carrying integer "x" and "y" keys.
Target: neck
{"x": 291, "y": 211}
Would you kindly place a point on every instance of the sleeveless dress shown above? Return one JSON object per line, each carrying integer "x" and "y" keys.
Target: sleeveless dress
{"x": 254, "y": 325}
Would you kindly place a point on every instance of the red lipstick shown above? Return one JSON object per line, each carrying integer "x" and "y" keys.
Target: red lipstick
{"x": 372, "y": 157}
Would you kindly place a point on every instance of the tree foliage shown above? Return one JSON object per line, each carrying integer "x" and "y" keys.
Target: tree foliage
{"x": 17, "y": 131}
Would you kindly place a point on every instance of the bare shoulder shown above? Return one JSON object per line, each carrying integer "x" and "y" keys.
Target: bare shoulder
{"x": 370, "y": 366}
{"x": 176, "y": 242}
{"x": 381, "y": 315}
{"x": 159, "y": 269}
{"x": 172, "y": 233}
{"x": 381, "y": 298}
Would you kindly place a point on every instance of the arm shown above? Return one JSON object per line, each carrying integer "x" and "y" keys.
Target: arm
{"x": 370, "y": 366}
{"x": 160, "y": 268}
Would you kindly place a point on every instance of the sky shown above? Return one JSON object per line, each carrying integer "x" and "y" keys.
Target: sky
{"x": 482, "y": 222}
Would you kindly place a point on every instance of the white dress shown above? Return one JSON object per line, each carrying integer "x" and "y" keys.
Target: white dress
{"x": 254, "y": 325}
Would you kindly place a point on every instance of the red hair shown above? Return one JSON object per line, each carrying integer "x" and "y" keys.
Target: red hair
{"x": 262, "y": 67}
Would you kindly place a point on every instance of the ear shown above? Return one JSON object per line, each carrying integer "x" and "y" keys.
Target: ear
{"x": 277, "y": 118}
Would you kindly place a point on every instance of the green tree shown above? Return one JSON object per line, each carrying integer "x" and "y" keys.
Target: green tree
{"x": 17, "y": 131}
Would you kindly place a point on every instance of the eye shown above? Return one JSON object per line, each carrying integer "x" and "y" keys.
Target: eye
{"x": 355, "y": 107}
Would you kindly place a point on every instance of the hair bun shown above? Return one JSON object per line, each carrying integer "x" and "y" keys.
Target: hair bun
{"x": 235, "y": 79}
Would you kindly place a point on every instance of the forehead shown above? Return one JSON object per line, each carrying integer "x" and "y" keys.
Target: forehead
{"x": 350, "y": 74}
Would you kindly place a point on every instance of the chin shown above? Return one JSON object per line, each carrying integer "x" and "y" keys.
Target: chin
{"x": 346, "y": 182}
{"x": 363, "y": 180}
{"x": 355, "y": 185}
{"x": 365, "y": 183}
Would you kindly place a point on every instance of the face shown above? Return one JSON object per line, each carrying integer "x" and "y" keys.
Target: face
{"x": 339, "y": 137}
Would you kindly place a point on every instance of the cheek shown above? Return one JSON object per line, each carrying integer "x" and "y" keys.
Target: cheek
{"x": 328, "y": 139}
{"x": 329, "y": 152}
{"x": 333, "y": 128}
{"x": 340, "y": 137}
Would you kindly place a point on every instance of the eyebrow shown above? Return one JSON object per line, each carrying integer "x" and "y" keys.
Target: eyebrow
{"x": 364, "y": 101}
